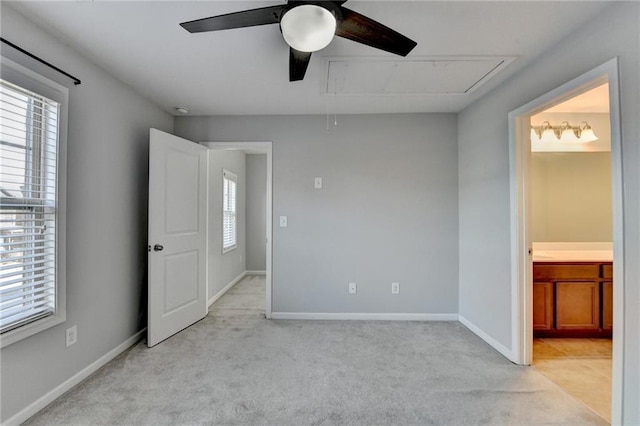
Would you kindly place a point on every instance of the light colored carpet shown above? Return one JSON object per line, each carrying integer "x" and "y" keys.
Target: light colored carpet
{"x": 235, "y": 367}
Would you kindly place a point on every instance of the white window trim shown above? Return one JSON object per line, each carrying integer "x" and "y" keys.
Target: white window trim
{"x": 30, "y": 80}
{"x": 226, "y": 174}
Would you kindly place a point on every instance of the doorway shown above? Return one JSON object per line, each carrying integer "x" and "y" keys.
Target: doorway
{"x": 570, "y": 228}
{"x": 523, "y": 250}
{"x": 257, "y": 260}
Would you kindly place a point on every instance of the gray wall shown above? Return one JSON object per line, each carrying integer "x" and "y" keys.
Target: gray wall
{"x": 387, "y": 212}
{"x": 485, "y": 282}
{"x": 256, "y": 212}
{"x": 224, "y": 268}
{"x": 108, "y": 143}
{"x": 571, "y": 196}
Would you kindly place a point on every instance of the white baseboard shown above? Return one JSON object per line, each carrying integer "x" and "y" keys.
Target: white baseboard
{"x": 226, "y": 288}
{"x": 76, "y": 379}
{"x": 363, "y": 316}
{"x": 256, "y": 272}
{"x": 508, "y": 353}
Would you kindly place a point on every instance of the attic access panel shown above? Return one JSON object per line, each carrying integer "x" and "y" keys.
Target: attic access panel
{"x": 428, "y": 76}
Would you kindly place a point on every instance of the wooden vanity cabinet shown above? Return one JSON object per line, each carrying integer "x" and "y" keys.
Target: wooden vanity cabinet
{"x": 577, "y": 305}
{"x": 607, "y": 297}
{"x": 572, "y": 299}
{"x": 542, "y": 306}
{"x": 607, "y": 305}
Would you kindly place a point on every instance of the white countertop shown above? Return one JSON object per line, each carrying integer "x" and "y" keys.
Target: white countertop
{"x": 573, "y": 252}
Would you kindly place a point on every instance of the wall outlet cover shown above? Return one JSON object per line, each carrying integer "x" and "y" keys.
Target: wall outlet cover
{"x": 395, "y": 288}
{"x": 353, "y": 288}
{"x": 72, "y": 335}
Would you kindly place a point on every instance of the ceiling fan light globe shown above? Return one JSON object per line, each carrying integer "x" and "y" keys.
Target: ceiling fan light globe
{"x": 308, "y": 28}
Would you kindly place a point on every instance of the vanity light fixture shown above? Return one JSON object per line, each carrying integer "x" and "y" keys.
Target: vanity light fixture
{"x": 568, "y": 134}
{"x": 535, "y": 135}
{"x": 587, "y": 134}
{"x": 565, "y": 132}
{"x": 548, "y": 133}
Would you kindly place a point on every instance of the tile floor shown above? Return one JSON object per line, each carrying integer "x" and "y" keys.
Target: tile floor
{"x": 581, "y": 367}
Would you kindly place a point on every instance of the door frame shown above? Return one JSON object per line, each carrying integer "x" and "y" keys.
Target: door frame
{"x": 258, "y": 148}
{"x": 521, "y": 261}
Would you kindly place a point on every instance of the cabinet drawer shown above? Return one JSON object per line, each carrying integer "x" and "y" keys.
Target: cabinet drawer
{"x": 607, "y": 271}
{"x": 563, "y": 272}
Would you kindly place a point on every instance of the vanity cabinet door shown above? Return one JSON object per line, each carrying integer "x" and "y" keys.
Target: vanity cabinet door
{"x": 577, "y": 305}
{"x": 542, "y": 306}
{"x": 607, "y": 305}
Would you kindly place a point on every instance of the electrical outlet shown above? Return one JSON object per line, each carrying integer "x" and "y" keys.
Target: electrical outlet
{"x": 72, "y": 335}
{"x": 317, "y": 183}
{"x": 352, "y": 288}
{"x": 395, "y": 288}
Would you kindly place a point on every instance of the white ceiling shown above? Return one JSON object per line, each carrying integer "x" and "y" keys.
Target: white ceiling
{"x": 594, "y": 100}
{"x": 245, "y": 71}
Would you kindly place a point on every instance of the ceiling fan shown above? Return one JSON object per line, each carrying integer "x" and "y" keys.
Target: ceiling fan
{"x": 309, "y": 26}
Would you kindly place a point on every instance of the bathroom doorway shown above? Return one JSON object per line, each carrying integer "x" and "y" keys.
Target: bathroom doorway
{"x": 571, "y": 232}
{"x": 557, "y": 287}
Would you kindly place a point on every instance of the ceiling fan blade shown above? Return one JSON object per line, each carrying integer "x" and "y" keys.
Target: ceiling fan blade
{"x": 298, "y": 62}
{"x": 357, "y": 27}
{"x": 245, "y": 18}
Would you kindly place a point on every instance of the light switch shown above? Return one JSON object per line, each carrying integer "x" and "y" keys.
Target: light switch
{"x": 317, "y": 183}
{"x": 283, "y": 221}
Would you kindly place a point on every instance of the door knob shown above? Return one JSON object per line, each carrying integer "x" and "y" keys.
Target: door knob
{"x": 158, "y": 247}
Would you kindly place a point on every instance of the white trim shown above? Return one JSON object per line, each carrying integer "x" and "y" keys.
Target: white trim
{"x": 226, "y": 288}
{"x": 33, "y": 408}
{"x": 256, "y": 272}
{"x": 31, "y": 80}
{"x": 264, "y": 148}
{"x": 325, "y": 89}
{"x": 508, "y": 353}
{"x": 521, "y": 274}
{"x": 228, "y": 249}
{"x": 363, "y": 316}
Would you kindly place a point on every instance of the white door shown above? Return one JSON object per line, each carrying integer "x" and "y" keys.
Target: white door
{"x": 177, "y": 235}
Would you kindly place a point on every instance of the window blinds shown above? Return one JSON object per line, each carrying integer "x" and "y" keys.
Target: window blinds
{"x": 28, "y": 178}
{"x": 229, "y": 181}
